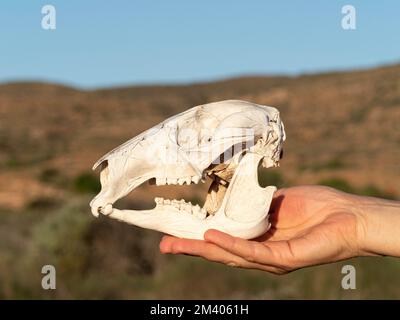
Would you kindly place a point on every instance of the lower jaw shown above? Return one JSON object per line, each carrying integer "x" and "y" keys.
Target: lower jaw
{"x": 183, "y": 225}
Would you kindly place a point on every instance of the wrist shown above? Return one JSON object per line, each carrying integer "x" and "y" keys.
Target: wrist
{"x": 378, "y": 227}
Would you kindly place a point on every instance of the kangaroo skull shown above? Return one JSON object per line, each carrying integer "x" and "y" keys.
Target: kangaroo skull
{"x": 225, "y": 141}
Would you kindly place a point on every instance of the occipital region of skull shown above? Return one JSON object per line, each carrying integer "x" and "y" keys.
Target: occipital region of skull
{"x": 223, "y": 141}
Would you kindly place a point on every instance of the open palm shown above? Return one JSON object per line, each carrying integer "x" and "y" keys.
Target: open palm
{"x": 310, "y": 225}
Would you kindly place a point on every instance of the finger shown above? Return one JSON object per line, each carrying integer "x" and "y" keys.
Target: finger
{"x": 273, "y": 253}
{"x": 197, "y": 248}
{"x": 165, "y": 244}
{"x": 210, "y": 252}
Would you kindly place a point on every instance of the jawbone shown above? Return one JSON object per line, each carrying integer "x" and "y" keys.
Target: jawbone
{"x": 230, "y": 218}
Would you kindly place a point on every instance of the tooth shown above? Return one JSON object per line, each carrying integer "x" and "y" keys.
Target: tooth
{"x": 107, "y": 209}
{"x": 182, "y": 204}
{"x": 186, "y": 207}
{"x": 196, "y": 179}
{"x": 161, "y": 181}
{"x": 158, "y": 200}
{"x": 167, "y": 201}
{"x": 188, "y": 180}
{"x": 176, "y": 203}
{"x": 199, "y": 212}
{"x": 181, "y": 181}
{"x": 172, "y": 181}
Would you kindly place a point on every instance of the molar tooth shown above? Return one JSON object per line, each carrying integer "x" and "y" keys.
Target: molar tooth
{"x": 188, "y": 180}
{"x": 167, "y": 201}
{"x": 196, "y": 179}
{"x": 158, "y": 200}
{"x": 199, "y": 212}
{"x": 181, "y": 181}
{"x": 186, "y": 207}
{"x": 172, "y": 181}
{"x": 176, "y": 204}
{"x": 161, "y": 181}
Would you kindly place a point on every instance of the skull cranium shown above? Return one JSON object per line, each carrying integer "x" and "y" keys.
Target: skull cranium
{"x": 224, "y": 141}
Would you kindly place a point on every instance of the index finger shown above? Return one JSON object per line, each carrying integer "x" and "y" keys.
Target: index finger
{"x": 210, "y": 252}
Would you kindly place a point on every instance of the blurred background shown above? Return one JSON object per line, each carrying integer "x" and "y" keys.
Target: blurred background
{"x": 110, "y": 70}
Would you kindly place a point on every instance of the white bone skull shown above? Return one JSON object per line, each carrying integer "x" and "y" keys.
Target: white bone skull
{"x": 224, "y": 141}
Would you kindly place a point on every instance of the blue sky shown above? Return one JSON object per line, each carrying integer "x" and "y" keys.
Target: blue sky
{"x": 102, "y": 43}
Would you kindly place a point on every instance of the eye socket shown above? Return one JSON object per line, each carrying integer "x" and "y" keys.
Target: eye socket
{"x": 281, "y": 154}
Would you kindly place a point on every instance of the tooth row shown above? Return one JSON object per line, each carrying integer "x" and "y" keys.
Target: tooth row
{"x": 180, "y": 181}
{"x": 182, "y": 205}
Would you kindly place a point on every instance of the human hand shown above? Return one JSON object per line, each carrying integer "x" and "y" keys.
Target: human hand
{"x": 310, "y": 225}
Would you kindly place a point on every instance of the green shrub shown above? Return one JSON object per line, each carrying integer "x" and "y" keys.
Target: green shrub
{"x": 86, "y": 183}
{"x": 54, "y": 177}
{"x": 369, "y": 190}
{"x": 49, "y": 175}
{"x": 12, "y": 163}
{"x": 332, "y": 164}
{"x": 270, "y": 178}
{"x": 338, "y": 183}
{"x": 373, "y": 191}
{"x": 42, "y": 203}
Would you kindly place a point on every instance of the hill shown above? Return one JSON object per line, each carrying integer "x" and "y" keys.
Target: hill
{"x": 342, "y": 127}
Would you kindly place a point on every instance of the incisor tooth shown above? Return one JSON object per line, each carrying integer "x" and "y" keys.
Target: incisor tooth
{"x": 107, "y": 209}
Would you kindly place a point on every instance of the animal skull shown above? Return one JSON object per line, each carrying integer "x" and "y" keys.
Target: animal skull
{"x": 225, "y": 141}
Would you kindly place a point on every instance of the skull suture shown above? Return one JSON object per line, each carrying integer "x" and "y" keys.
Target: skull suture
{"x": 224, "y": 141}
